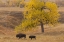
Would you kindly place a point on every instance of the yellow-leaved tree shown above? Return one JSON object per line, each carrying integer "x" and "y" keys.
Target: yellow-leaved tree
{"x": 39, "y": 13}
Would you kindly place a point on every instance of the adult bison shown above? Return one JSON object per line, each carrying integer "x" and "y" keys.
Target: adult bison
{"x": 20, "y": 35}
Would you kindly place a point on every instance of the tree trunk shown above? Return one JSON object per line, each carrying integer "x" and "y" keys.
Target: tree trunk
{"x": 42, "y": 27}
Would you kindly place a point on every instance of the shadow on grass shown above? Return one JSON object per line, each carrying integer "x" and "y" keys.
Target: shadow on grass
{"x": 54, "y": 33}
{"x": 61, "y": 17}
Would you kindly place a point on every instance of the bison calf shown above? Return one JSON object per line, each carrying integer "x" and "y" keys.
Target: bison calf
{"x": 20, "y": 35}
{"x": 32, "y": 36}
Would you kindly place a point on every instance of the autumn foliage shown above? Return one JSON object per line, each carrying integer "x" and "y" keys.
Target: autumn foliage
{"x": 38, "y": 13}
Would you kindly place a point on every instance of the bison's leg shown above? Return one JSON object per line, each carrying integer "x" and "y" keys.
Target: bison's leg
{"x": 19, "y": 37}
{"x": 31, "y": 38}
{"x": 24, "y": 37}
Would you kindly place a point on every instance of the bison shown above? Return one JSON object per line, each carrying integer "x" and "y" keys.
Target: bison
{"x": 20, "y": 35}
{"x": 32, "y": 36}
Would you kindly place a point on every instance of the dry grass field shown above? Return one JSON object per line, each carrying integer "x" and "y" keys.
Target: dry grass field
{"x": 11, "y": 9}
{"x": 51, "y": 34}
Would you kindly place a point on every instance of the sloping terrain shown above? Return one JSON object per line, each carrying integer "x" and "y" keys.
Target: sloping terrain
{"x": 6, "y": 31}
{"x": 61, "y": 17}
{"x": 10, "y": 19}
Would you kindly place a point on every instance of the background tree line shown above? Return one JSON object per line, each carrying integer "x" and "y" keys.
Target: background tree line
{"x": 21, "y": 3}
{"x": 12, "y": 3}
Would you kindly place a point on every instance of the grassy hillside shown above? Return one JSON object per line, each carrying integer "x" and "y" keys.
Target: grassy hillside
{"x": 12, "y": 16}
{"x": 9, "y": 18}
